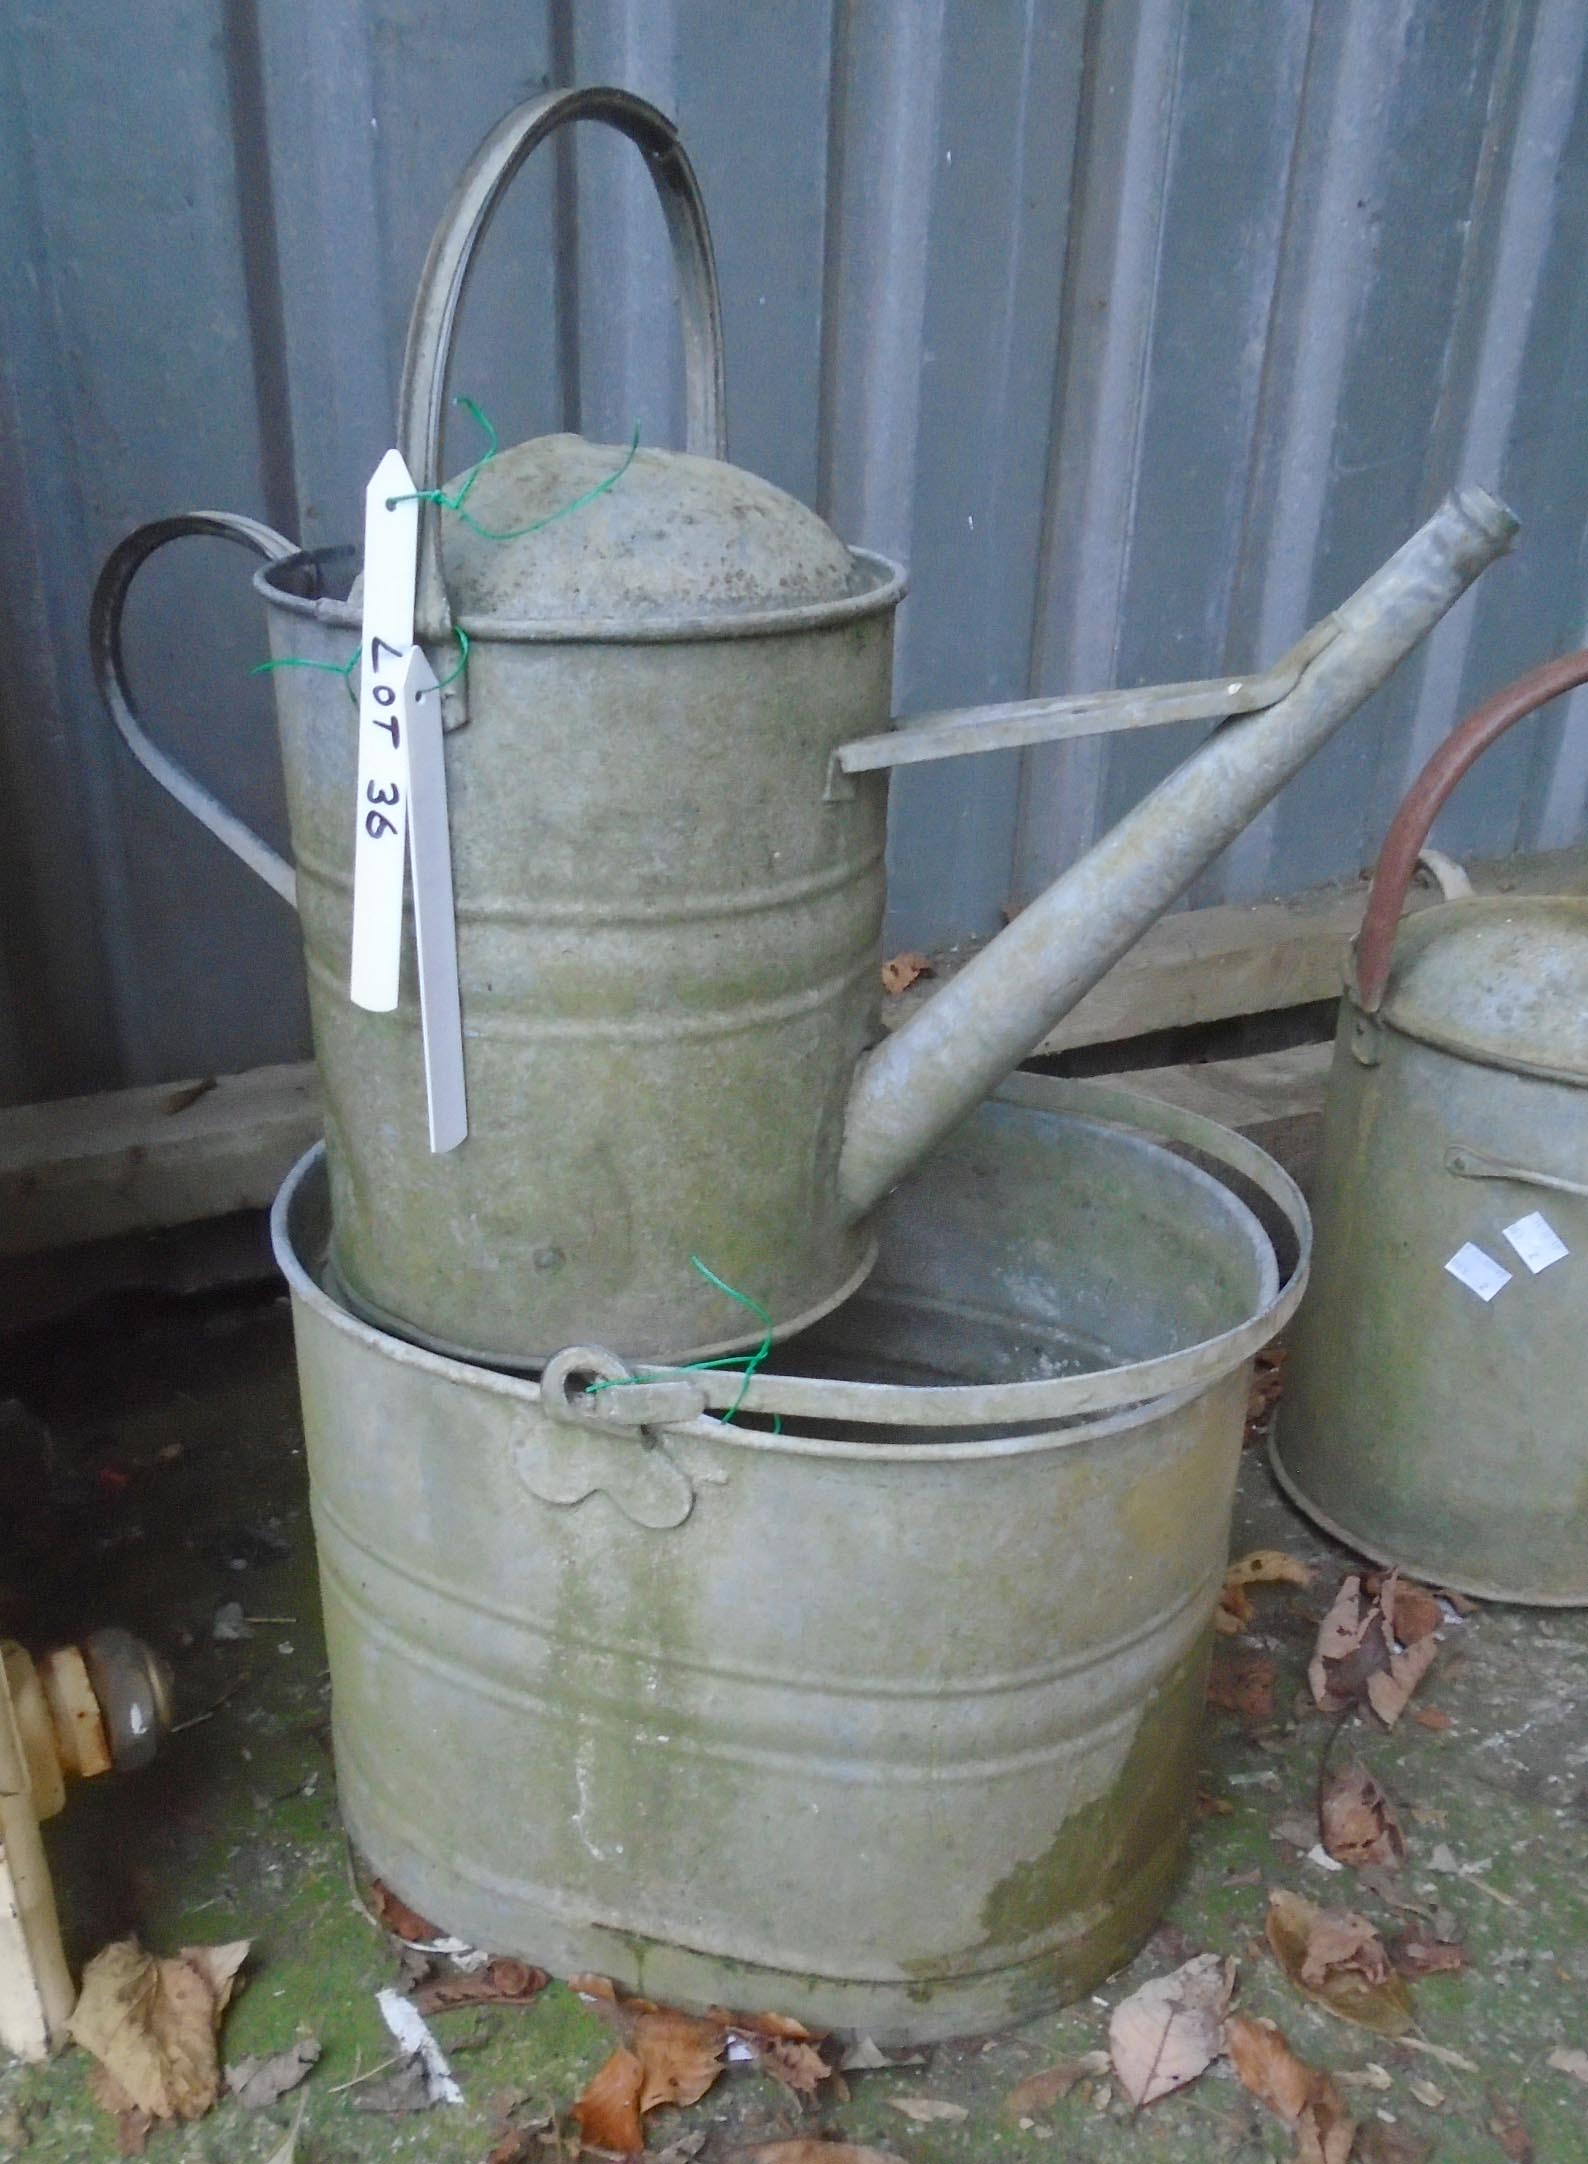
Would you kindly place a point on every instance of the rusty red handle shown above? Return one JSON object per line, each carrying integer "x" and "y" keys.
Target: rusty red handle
{"x": 1397, "y": 861}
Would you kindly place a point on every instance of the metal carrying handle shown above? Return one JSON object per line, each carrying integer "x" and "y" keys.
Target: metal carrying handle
{"x": 1470, "y": 1164}
{"x": 427, "y": 356}
{"x": 1403, "y": 844}
{"x": 110, "y": 671}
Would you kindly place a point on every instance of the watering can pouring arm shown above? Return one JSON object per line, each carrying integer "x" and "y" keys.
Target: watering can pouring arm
{"x": 910, "y": 1090}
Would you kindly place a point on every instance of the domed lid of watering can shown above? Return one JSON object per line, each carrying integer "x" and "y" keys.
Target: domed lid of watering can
{"x": 599, "y": 534}
{"x": 1498, "y": 978}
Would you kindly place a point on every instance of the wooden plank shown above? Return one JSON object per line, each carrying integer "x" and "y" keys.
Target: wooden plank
{"x": 86, "y": 1168}
{"x": 1207, "y": 965}
{"x": 1275, "y": 1099}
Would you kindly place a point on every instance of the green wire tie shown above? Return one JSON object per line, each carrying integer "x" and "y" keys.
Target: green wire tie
{"x": 344, "y": 669}
{"x": 748, "y": 1364}
{"x": 455, "y": 504}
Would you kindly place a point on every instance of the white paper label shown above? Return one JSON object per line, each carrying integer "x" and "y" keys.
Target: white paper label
{"x": 391, "y": 563}
{"x": 435, "y": 925}
{"x": 1478, "y": 1271}
{"x": 1536, "y": 1241}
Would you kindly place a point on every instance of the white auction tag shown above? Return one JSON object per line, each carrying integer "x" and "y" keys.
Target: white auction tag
{"x": 391, "y": 564}
{"x": 1478, "y": 1271}
{"x": 435, "y": 925}
{"x": 1536, "y": 1241}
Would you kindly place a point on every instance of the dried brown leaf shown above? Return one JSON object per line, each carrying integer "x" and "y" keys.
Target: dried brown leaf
{"x": 1432, "y": 1718}
{"x": 1269, "y": 1566}
{"x": 1349, "y": 1644}
{"x": 1571, "y": 2062}
{"x": 680, "y": 2055}
{"x": 1417, "y": 1613}
{"x": 1357, "y": 1656}
{"x": 903, "y": 970}
{"x": 1168, "y": 2032}
{"x": 519, "y": 2145}
{"x": 1265, "y": 2064}
{"x": 1260, "y": 1566}
{"x": 798, "y": 2066}
{"x": 1389, "y": 1690}
{"x": 1040, "y": 2092}
{"x": 258, "y": 2083}
{"x": 773, "y": 2025}
{"x": 608, "y": 2112}
{"x": 397, "y": 1917}
{"x": 929, "y": 2110}
{"x": 502, "y": 1982}
{"x": 220, "y": 1967}
{"x": 1420, "y": 1952}
{"x": 1336, "y": 1958}
{"x": 404, "y": 2090}
{"x": 1358, "y": 1821}
{"x": 152, "y": 2026}
{"x": 1243, "y": 1684}
{"x": 1299, "y": 2094}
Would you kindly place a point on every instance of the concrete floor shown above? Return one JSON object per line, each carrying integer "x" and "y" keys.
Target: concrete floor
{"x": 178, "y": 1483}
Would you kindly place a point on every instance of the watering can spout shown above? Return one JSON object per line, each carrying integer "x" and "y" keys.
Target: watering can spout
{"x": 911, "y": 1089}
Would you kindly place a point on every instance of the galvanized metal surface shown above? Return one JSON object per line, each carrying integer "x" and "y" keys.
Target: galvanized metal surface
{"x": 652, "y": 689}
{"x": 1136, "y": 390}
{"x": 886, "y": 1727}
{"x": 996, "y": 1010}
{"x": 1420, "y": 1424}
{"x": 633, "y": 1112}
{"x": 1427, "y": 1425}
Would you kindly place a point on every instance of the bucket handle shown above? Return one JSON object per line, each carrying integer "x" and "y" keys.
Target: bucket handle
{"x": 427, "y": 356}
{"x": 1408, "y": 831}
{"x": 1066, "y": 1397}
{"x": 110, "y": 672}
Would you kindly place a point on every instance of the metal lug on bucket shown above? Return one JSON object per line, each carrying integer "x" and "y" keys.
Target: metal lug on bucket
{"x": 1365, "y": 1034}
{"x": 631, "y": 1402}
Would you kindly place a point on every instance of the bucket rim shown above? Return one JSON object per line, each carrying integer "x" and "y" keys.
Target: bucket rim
{"x": 1131, "y": 1389}
{"x": 887, "y": 585}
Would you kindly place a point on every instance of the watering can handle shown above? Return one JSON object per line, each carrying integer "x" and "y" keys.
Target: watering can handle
{"x": 422, "y": 401}
{"x": 1425, "y": 799}
{"x": 110, "y": 670}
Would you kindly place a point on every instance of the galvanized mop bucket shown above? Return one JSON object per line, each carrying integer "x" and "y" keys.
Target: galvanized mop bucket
{"x": 885, "y": 1720}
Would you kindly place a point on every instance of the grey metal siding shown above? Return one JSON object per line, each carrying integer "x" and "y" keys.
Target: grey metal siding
{"x": 1141, "y": 329}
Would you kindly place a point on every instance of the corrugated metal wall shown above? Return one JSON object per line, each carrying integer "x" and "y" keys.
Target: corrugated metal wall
{"x": 1141, "y": 329}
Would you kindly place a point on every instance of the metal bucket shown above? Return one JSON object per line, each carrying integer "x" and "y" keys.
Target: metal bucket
{"x": 887, "y": 1720}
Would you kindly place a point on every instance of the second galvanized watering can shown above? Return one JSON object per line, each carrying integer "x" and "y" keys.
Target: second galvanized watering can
{"x": 1433, "y": 1415}
{"x": 667, "y": 769}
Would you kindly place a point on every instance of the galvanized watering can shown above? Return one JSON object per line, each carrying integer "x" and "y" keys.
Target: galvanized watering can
{"x": 667, "y": 775}
{"x": 1434, "y": 1415}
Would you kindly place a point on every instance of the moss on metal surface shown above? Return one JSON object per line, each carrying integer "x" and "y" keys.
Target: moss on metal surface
{"x": 234, "y": 1833}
